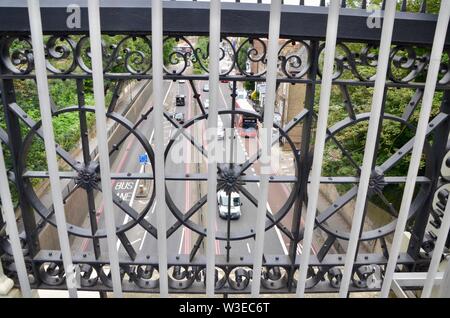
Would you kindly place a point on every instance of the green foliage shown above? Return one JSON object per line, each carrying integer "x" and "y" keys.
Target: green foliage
{"x": 394, "y": 134}
{"x": 201, "y": 48}
{"x": 249, "y": 86}
{"x": 412, "y": 5}
{"x": 243, "y": 55}
{"x": 168, "y": 47}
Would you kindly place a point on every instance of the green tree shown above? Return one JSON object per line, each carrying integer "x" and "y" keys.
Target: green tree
{"x": 201, "y": 55}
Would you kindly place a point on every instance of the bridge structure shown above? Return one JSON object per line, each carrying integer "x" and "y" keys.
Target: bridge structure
{"x": 128, "y": 211}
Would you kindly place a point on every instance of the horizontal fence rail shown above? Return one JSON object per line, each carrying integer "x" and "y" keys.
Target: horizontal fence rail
{"x": 275, "y": 148}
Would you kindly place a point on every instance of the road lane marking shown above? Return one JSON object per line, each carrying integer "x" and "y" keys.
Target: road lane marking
{"x": 283, "y": 186}
{"x": 216, "y": 242}
{"x": 135, "y": 241}
{"x": 277, "y": 230}
{"x": 137, "y": 182}
{"x": 145, "y": 233}
{"x": 187, "y": 232}
{"x": 133, "y": 196}
{"x": 181, "y": 241}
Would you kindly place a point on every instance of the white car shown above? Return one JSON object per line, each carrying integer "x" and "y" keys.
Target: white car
{"x": 235, "y": 208}
{"x": 206, "y": 103}
{"x": 241, "y": 94}
{"x": 179, "y": 117}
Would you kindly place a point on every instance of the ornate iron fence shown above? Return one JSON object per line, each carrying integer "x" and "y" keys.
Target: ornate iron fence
{"x": 407, "y": 56}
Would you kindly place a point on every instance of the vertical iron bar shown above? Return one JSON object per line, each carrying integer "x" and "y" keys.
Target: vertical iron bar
{"x": 266, "y": 142}
{"x": 369, "y": 151}
{"x": 100, "y": 120}
{"x": 304, "y": 164}
{"x": 49, "y": 141}
{"x": 232, "y": 137}
{"x": 87, "y": 159}
{"x": 427, "y": 103}
{"x": 423, "y": 6}
{"x": 214, "y": 53}
{"x": 11, "y": 229}
{"x": 14, "y": 133}
{"x": 321, "y": 133}
{"x": 158, "y": 119}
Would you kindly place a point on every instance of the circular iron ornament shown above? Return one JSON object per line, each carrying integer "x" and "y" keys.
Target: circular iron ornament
{"x": 86, "y": 175}
{"x": 177, "y": 57}
{"x": 221, "y": 277}
{"x": 376, "y": 183}
{"x": 18, "y": 59}
{"x": 105, "y": 274}
{"x": 61, "y": 49}
{"x": 145, "y": 276}
{"x": 294, "y": 58}
{"x": 312, "y": 277}
{"x": 256, "y": 53}
{"x": 234, "y": 235}
{"x": 367, "y": 276}
{"x": 405, "y": 65}
{"x": 239, "y": 277}
{"x": 52, "y": 273}
{"x": 88, "y": 275}
{"x": 181, "y": 277}
{"x": 335, "y": 276}
{"x": 116, "y": 56}
{"x": 274, "y": 277}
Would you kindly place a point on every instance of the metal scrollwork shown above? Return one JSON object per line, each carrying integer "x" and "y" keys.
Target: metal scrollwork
{"x": 17, "y": 55}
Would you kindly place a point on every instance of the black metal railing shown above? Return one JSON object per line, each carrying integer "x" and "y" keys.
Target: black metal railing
{"x": 128, "y": 56}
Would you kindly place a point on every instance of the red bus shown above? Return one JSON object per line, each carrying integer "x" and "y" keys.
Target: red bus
{"x": 246, "y": 125}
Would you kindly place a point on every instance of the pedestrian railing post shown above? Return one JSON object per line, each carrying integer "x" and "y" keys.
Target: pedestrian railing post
{"x": 101, "y": 129}
{"x": 266, "y": 142}
{"x": 49, "y": 142}
{"x": 158, "y": 118}
{"x": 321, "y": 132}
{"x": 427, "y": 103}
{"x": 371, "y": 143}
{"x": 214, "y": 54}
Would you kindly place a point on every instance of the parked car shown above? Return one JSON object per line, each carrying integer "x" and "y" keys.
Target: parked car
{"x": 179, "y": 117}
{"x": 241, "y": 94}
{"x": 206, "y": 87}
{"x": 206, "y": 104}
{"x": 235, "y": 207}
{"x": 182, "y": 81}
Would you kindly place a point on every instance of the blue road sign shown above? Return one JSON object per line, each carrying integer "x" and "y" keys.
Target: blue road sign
{"x": 143, "y": 159}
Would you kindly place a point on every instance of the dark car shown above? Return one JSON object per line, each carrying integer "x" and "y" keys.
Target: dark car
{"x": 180, "y": 100}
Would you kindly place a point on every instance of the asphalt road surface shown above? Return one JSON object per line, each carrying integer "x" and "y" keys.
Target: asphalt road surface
{"x": 185, "y": 194}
